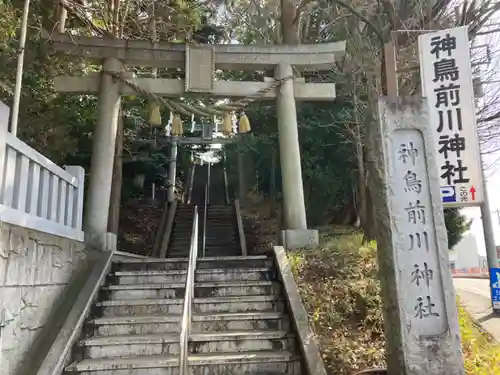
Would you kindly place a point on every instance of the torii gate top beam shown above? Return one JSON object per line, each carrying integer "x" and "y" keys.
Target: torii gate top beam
{"x": 227, "y": 56}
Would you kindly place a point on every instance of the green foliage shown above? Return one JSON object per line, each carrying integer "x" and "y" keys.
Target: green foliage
{"x": 456, "y": 225}
{"x": 326, "y": 155}
{"x": 61, "y": 126}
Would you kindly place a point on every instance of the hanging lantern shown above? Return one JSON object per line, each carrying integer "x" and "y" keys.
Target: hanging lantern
{"x": 244, "y": 123}
{"x": 154, "y": 114}
{"x": 177, "y": 125}
{"x": 227, "y": 125}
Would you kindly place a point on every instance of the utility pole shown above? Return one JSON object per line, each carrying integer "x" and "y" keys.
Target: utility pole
{"x": 489, "y": 236}
{"x": 486, "y": 213}
{"x": 20, "y": 68}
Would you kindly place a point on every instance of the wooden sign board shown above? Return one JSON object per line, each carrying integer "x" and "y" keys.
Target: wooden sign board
{"x": 200, "y": 66}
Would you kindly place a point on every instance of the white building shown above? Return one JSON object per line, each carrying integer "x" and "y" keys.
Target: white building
{"x": 465, "y": 254}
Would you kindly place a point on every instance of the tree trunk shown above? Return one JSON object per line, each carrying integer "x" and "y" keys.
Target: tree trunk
{"x": 361, "y": 205}
{"x": 289, "y": 29}
{"x": 116, "y": 186}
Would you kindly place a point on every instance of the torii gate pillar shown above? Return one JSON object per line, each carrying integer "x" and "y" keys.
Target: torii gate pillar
{"x": 291, "y": 170}
{"x": 103, "y": 153}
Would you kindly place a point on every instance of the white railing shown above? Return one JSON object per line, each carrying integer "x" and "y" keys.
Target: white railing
{"x": 35, "y": 193}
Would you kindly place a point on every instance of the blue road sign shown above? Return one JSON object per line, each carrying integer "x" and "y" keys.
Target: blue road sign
{"x": 495, "y": 287}
{"x": 448, "y": 194}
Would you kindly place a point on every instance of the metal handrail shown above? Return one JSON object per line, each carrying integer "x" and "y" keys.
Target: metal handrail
{"x": 205, "y": 221}
{"x": 209, "y": 182}
{"x": 190, "y": 185}
{"x": 241, "y": 230}
{"x": 188, "y": 297}
{"x": 226, "y": 185}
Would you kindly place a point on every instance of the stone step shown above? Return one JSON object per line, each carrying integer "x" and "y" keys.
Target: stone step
{"x": 187, "y": 207}
{"x": 134, "y": 325}
{"x": 251, "y": 261}
{"x": 219, "y": 233}
{"x": 223, "y": 231}
{"x": 144, "y": 291}
{"x": 151, "y": 264}
{"x": 186, "y": 210}
{"x": 234, "y": 274}
{"x": 179, "y": 276}
{"x": 177, "y": 253}
{"x": 240, "y": 341}
{"x": 238, "y": 288}
{"x": 155, "y": 306}
{"x": 183, "y": 223}
{"x": 179, "y": 244}
{"x": 182, "y": 228}
{"x": 237, "y": 304}
{"x": 221, "y": 228}
{"x": 223, "y": 252}
{"x": 137, "y": 307}
{"x": 223, "y": 247}
{"x": 183, "y": 215}
{"x": 148, "y": 277}
{"x": 130, "y": 345}
{"x": 249, "y": 363}
{"x": 243, "y": 321}
{"x": 226, "y": 240}
{"x": 177, "y": 290}
{"x": 186, "y": 243}
{"x": 133, "y": 365}
{"x": 245, "y": 363}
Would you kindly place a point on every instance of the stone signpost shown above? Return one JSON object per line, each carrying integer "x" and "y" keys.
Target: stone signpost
{"x": 420, "y": 314}
{"x": 199, "y": 63}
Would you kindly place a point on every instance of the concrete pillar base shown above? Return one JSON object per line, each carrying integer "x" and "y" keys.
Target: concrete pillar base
{"x": 103, "y": 242}
{"x": 292, "y": 239}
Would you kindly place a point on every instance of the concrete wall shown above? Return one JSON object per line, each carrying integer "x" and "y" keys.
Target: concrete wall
{"x": 35, "y": 269}
{"x": 465, "y": 253}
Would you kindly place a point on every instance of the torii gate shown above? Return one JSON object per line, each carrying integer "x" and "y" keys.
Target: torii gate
{"x": 199, "y": 63}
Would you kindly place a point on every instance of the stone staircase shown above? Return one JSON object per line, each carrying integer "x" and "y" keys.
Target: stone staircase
{"x": 222, "y": 232}
{"x": 239, "y": 325}
{"x": 180, "y": 237}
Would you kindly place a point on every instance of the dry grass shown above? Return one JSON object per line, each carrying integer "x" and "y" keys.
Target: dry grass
{"x": 339, "y": 287}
